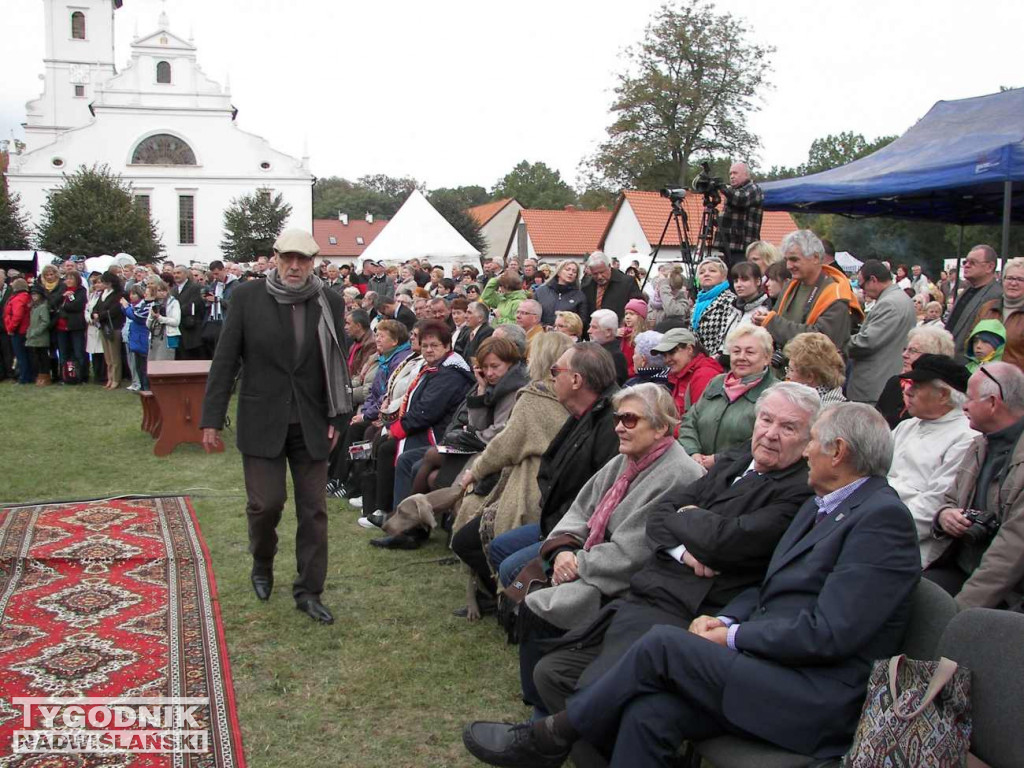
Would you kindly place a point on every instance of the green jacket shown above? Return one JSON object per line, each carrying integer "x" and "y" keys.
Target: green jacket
{"x": 992, "y": 326}
{"x": 39, "y": 326}
{"x": 714, "y": 424}
{"x": 503, "y": 304}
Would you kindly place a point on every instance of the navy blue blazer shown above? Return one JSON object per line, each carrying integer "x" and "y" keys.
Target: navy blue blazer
{"x": 836, "y": 597}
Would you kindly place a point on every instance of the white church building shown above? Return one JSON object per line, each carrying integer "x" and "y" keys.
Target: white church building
{"x": 160, "y": 123}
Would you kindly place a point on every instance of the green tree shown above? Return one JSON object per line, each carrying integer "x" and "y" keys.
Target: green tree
{"x": 14, "y": 228}
{"x": 93, "y": 212}
{"x": 252, "y": 223}
{"x": 453, "y": 208}
{"x": 378, "y": 194}
{"x": 687, "y": 91}
{"x": 463, "y": 197}
{"x": 535, "y": 185}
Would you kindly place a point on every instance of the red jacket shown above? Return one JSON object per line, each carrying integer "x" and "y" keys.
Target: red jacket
{"x": 688, "y": 385}
{"x": 17, "y": 314}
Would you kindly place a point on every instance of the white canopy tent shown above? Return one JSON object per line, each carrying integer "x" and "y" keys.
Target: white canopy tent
{"x": 848, "y": 262}
{"x": 419, "y": 231}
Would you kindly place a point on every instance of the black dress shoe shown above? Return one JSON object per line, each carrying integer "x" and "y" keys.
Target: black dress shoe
{"x": 262, "y": 585}
{"x": 398, "y": 541}
{"x": 509, "y": 745}
{"x": 313, "y": 608}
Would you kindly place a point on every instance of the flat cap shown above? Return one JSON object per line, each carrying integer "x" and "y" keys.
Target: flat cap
{"x": 297, "y": 241}
{"x": 929, "y": 367}
{"x": 673, "y": 338}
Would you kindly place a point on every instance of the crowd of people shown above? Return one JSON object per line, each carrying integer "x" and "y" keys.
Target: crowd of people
{"x": 700, "y": 504}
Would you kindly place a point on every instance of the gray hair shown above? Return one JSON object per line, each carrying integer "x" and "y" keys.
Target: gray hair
{"x": 659, "y": 409}
{"x": 599, "y": 257}
{"x": 810, "y": 244}
{"x": 955, "y": 396}
{"x": 594, "y": 364}
{"x": 1015, "y": 263}
{"x": 481, "y": 309}
{"x": 865, "y": 432}
{"x": 513, "y": 333}
{"x": 760, "y": 334}
{"x": 938, "y": 340}
{"x": 1010, "y": 379}
{"x": 645, "y": 342}
{"x": 605, "y": 318}
{"x": 715, "y": 262}
{"x": 798, "y": 395}
{"x": 532, "y": 306}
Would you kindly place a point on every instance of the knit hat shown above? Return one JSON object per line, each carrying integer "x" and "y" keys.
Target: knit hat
{"x": 639, "y": 306}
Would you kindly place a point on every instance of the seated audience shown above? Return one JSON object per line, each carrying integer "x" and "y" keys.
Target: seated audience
{"x": 584, "y": 382}
{"x": 604, "y": 327}
{"x": 724, "y": 415}
{"x": 570, "y": 324}
{"x": 930, "y": 445}
{"x": 712, "y": 313}
{"x": 983, "y": 509}
{"x": 786, "y": 661}
{"x": 813, "y": 359}
{"x": 528, "y": 315}
{"x": 775, "y": 278}
{"x": 460, "y": 330}
{"x": 634, "y": 322}
{"x": 690, "y": 370}
{"x": 932, "y": 314}
{"x": 708, "y": 544}
{"x": 477, "y": 321}
{"x": 500, "y": 513}
{"x": 923, "y": 340}
{"x": 599, "y": 542}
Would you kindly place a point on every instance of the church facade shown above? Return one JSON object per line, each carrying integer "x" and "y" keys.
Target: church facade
{"x": 160, "y": 123}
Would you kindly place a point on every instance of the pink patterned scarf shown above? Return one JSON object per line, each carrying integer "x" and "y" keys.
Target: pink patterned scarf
{"x": 735, "y": 387}
{"x": 598, "y": 521}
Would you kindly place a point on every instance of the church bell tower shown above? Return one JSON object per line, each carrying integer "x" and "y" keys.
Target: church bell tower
{"x": 79, "y": 58}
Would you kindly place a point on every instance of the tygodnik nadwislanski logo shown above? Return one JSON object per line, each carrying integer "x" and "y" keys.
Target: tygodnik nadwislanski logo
{"x": 111, "y": 725}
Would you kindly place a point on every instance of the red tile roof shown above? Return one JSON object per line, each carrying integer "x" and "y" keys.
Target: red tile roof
{"x": 484, "y": 213}
{"x": 345, "y": 236}
{"x": 652, "y": 210}
{"x": 565, "y": 233}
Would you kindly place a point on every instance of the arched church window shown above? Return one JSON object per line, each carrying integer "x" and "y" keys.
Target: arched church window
{"x": 163, "y": 149}
{"x": 78, "y": 26}
{"x": 163, "y": 71}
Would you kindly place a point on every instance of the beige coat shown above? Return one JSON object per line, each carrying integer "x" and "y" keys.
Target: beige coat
{"x": 515, "y": 452}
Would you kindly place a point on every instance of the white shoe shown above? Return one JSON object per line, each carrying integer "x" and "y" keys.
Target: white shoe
{"x": 133, "y": 387}
{"x": 357, "y": 502}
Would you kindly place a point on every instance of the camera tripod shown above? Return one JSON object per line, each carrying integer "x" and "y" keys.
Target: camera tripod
{"x": 708, "y": 225}
{"x": 677, "y": 214}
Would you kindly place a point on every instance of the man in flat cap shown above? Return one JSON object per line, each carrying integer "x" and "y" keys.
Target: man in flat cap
{"x": 294, "y": 394}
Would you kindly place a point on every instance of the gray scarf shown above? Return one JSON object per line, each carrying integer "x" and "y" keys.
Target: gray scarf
{"x": 339, "y": 385}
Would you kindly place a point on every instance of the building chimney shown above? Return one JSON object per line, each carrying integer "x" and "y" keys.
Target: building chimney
{"x": 343, "y": 218}
{"x": 369, "y": 218}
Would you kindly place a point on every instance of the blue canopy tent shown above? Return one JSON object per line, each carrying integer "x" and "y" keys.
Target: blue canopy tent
{"x": 957, "y": 165}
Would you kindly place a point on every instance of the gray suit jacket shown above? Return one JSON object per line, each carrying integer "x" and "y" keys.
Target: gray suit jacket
{"x": 876, "y": 349}
{"x": 965, "y": 320}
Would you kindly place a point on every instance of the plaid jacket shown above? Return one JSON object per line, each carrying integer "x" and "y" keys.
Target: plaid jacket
{"x": 740, "y": 222}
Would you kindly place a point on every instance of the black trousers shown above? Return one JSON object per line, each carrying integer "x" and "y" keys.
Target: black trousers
{"x": 588, "y": 653}
{"x": 6, "y": 356}
{"x": 267, "y": 493}
{"x": 466, "y": 544}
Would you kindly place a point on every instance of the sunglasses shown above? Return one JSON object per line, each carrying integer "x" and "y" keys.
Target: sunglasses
{"x": 995, "y": 380}
{"x": 628, "y": 420}
{"x": 555, "y": 370}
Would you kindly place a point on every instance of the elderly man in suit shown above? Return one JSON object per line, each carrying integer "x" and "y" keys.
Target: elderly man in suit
{"x": 787, "y": 661}
{"x": 876, "y": 350}
{"x": 294, "y": 397}
{"x": 707, "y": 545}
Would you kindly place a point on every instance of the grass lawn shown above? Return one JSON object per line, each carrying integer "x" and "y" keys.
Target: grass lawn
{"x": 389, "y": 684}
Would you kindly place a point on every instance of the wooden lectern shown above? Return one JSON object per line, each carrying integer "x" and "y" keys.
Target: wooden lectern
{"x": 178, "y": 388}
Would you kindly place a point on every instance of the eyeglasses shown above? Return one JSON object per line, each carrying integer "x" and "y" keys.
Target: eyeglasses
{"x": 628, "y": 420}
{"x": 994, "y": 379}
{"x": 555, "y": 370}
{"x": 1013, "y": 279}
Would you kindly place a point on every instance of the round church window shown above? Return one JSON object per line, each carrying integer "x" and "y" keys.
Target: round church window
{"x": 58, "y": 162}
{"x": 265, "y": 165}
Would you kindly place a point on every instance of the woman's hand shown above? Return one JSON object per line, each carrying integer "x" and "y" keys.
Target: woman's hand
{"x": 704, "y": 460}
{"x": 357, "y": 419}
{"x": 481, "y": 382}
{"x": 466, "y": 479}
{"x": 566, "y": 568}
{"x": 124, "y": 303}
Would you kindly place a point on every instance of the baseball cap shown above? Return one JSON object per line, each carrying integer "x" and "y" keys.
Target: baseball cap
{"x": 673, "y": 338}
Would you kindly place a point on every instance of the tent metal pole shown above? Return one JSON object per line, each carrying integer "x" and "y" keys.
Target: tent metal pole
{"x": 1007, "y": 198}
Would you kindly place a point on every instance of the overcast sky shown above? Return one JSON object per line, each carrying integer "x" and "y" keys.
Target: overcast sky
{"x": 456, "y": 92}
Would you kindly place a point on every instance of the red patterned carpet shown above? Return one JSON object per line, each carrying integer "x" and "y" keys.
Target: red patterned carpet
{"x": 112, "y": 599}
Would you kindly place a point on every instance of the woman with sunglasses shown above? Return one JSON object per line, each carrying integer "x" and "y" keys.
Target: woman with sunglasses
{"x": 599, "y": 543}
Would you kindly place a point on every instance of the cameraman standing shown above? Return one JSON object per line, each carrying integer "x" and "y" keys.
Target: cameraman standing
{"x": 740, "y": 222}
